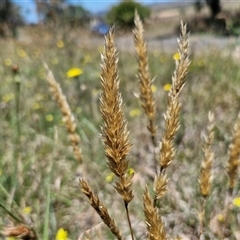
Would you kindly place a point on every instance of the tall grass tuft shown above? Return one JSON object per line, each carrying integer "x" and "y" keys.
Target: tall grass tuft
{"x": 145, "y": 82}
{"x": 115, "y": 133}
{"x": 206, "y": 171}
{"x": 68, "y": 117}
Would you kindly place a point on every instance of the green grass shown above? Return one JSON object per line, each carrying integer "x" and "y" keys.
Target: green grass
{"x": 38, "y": 169}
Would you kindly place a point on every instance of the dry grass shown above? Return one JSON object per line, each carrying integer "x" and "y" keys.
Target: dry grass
{"x": 115, "y": 134}
{"x": 171, "y": 207}
{"x": 68, "y": 117}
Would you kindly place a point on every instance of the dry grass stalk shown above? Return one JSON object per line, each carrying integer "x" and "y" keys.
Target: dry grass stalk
{"x": 68, "y": 117}
{"x": 233, "y": 160}
{"x": 114, "y": 131}
{"x": 160, "y": 186}
{"x": 155, "y": 226}
{"x": 20, "y": 232}
{"x": 172, "y": 124}
{"x": 92, "y": 233}
{"x": 232, "y": 168}
{"x": 145, "y": 81}
{"x": 206, "y": 173}
{"x": 100, "y": 209}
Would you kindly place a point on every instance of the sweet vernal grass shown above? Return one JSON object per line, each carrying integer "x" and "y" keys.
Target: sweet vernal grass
{"x": 117, "y": 146}
{"x": 205, "y": 180}
{"x": 116, "y": 140}
{"x": 68, "y": 117}
{"x": 115, "y": 133}
{"x": 145, "y": 82}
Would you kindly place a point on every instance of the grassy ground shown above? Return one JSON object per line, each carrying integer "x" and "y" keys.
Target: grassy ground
{"x": 39, "y": 176}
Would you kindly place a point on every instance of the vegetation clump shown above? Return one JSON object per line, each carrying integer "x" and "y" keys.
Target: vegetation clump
{"x": 123, "y": 13}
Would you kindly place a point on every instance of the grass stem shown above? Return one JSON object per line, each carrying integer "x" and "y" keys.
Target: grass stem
{"x": 129, "y": 221}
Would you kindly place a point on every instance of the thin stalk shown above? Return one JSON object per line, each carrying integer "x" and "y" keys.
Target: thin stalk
{"x": 129, "y": 221}
{"x": 47, "y": 214}
{"x": 227, "y": 210}
{"x": 18, "y": 88}
{"x": 201, "y": 217}
{"x": 17, "y": 133}
{"x": 154, "y": 142}
{"x": 49, "y": 180}
{"x": 10, "y": 214}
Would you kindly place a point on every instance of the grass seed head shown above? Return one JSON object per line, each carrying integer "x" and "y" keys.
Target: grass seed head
{"x": 172, "y": 123}
{"x": 100, "y": 209}
{"x": 145, "y": 82}
{"x": 155, "y": 226}
{"x": 233, "y": 153}
{"x": 68, "y": 117}
{"x": 114, "y": 130}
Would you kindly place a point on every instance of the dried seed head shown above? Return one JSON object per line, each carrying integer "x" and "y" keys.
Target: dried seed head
{"x": 172, "y": 124}
{"x": 155, "y": 226}
{"x": 160, "y": 186}
{"x": 100, "y": 209}
{"x": 20, "y": 232}
{"x": 114, "y": 130}
{"x": 68, "y": 117}
{"x": 233, "y": 153}
{"x": 206, "y": 174}
{"x": 145, "y": 82}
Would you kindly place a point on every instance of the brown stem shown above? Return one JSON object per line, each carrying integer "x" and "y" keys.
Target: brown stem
{"x": 154, "y": 142}
{"x": 227, "y": 208}
{"x": 201, "y": 217}
{"x": 129, "y": 221}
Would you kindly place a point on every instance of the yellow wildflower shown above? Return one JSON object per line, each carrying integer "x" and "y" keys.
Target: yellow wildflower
{"x": 236, "y": 202}
{"x": 109, "y": 178}
{"x": 10, "y": 238}
{"x": 167, "y": 87}
{"x": 177, "y": 56}
{"x": 220, "y": 218}
{"x": 131, "y": 171}
{"x": 60, "y": 44}
{"x": 27, "y": 210}
{"x": 8, "y": 97}
{"x": 61, "y": 234}
{"x": 74, "y": 72}
{"x": 8, "y": 62}
{"x": 49, "y": 118}
{"x": 21, "y": 53}
{"x": 135, "y": 112}
{"x": 154, "y": 88}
